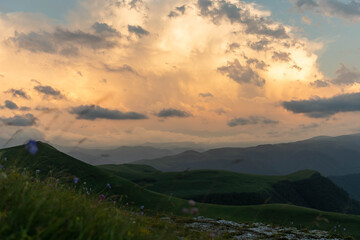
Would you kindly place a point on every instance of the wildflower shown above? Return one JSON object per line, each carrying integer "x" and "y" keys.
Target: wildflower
{"x": 37, "y": 171}
{"x": 142, "y": 213}
{"x": 5, "y": 159}
{"x": 194, "y": 211}
{"x": 76, "y": 180}
{"x": 84, "y": 183}
{"x": 192, "y": 203}
{"x": 185, "y": 210}
{"x": 344, "y": 229}
{"x": 31, "y": 146}
{"x": 87, "y": 192}
{"x": 57, "y": 180}
{"x": 102, "y": 197}
{"x": 142, "y": 207}
{"x": 23, "y": 173}
{"x": 1, "y": 166}
{"x": 90, "y": 189}
{"x": 108, "y": 185}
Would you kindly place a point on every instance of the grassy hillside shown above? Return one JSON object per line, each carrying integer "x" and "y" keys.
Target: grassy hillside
{"x": 55, "y": 164}
{"x": 350, "y": 183}
{"x": 33, "y": 209}
{"x": 305, "y": 188}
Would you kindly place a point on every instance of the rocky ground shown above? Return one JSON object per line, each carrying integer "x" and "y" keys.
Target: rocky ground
{"x": 242, "y": 231}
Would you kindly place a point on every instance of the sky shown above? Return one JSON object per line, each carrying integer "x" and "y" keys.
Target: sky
{"x": 106, "y": 73}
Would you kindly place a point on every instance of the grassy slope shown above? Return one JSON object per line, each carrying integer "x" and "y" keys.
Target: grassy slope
{"x": 33, "y": 209}
{"x": 303, "y": 188}
{"x": 49, "y": 159}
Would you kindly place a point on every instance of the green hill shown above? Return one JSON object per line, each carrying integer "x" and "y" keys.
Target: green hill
{"x": 304, "y": 188}
{"x": 54, "y": 164}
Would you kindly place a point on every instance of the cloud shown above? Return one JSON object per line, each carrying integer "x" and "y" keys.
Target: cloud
{"x": 64, "y": 41}
{"x": 344, "y": 76}
{"x": 306, "y": 20}
{"x": 49, "y": 91}
{"x": 138, "y": 30}
{"x": 123, "y": 68}
{"x": 103, "y": 28}
{"x": 177, "y": 11}
{"x": 206, "y": 95}
{"x": 259, "y": 45}
{"x": 241, "y": 74}
{"x": 236, "y": 13}
{"x": 281, "y": 56}
{"x": 320, "y": 83}
{"x": 20, "y": 120}
{"x": 325, "y": 107}
{"x": 172, "y": 112}
{"x": 11, "y": 105}
{"x": 18, "y": 93}
{"x": 92, "y": 112}
{"x": 252, "y": 120}
{"x": 259, "y": 64}
{"x": 24, "y": 108}
{"x": 349, "y": 10}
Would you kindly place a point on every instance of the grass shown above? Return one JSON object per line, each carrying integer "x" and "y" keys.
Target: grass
{"x": 59, "y": 209}
{"x": 34, "y": 209}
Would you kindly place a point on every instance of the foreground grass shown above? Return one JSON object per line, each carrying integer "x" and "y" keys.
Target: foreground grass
{"x": 34, "y": 209}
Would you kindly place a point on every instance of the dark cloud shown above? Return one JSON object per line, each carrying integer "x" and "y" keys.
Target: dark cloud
{"x": 335, "y": 8}
{"x": 66, "y": 42}
{"x": 259, "y": 64}
{"x": 24, "y": 108}
{"x": 281, "y": 56}
{"x": 346, "y": 76}
{"x": 43, "y": 109}
{"x": 233, "y": 47}
{"x": 49, "y": 91}
{"x": 325, "y": 107}
{"x": 20, "y": 120}
{"x": 11, "y": 105}
{"x": 221, "y": 9}
{"x": 138, "y": 30}
{"x": 252, "y": 120}
{"x": 320, "y": 83}
{"x": 241, "y": 74}
{"x": 103, "y": 28}
{"x": 123, "y": 68}
{"x": 259, "y": 45}
{"x": 206, "y": 95}
{"x": 18, "y": 93}
{"x": 177, "y": 11}
{"x": 172, "y": 112}
{"x": 92, "y": 112}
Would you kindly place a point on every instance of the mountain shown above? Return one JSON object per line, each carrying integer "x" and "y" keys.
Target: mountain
{"x": 53, "y": 164}
{"x": 305, "y": 188}
{"x": 350, "y": 183}
{"x": 327, "y": 155}
{"x": 120, "y": 155}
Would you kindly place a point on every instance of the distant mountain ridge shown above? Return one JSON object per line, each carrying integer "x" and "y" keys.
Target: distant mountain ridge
{"x": 327, "y": 155}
